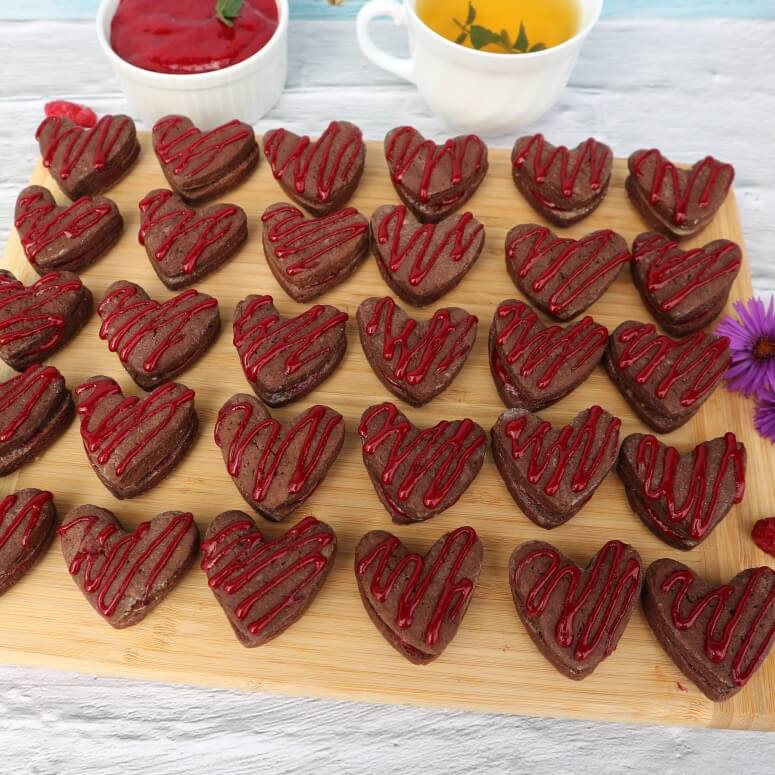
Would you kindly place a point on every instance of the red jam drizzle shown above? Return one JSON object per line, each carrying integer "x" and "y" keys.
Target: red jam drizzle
{"x": 22, "y": 394}
{"x": 455, "y": 591}
{"x": 316, "y": 426}
{"x": 123, "y": 556}
{"x": 723, "y": 628}
{"x": 237, "y": 554}
{"x": 28, "y": 516}
{"x": 608, "y": 594}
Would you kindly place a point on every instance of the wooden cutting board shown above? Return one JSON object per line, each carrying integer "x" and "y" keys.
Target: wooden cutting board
{"x": 334, "y": 650}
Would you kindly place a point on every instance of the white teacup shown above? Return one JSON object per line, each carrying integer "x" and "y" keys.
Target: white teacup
{"x": 476, "y": 91}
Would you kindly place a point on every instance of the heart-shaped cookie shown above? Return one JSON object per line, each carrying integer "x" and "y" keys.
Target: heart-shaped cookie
{"x": 203, "y": 165}
{"x": 415, "y": 360}
{"x": 35, "y": 410}
{"x": 277, "y": 466}
{"x": 133, "y": 443}
{"x": 71, "y": 237}
{"x": 308, "y": 256}
{"x": 564, "y": 277}
{"x": 534, "y": 365}
{"x": 39, "y": 319}
{"x": 125, "y": 575}
{"x": 27, "y": 520}
{"x": 265, "y": 586}
{"x": 665, "y": 380}
{"x": 434, "y": 180}
{"x": 156, "y": 341}
{"x": 718, "y": 635}
{"x": 423, "y": 261}
{"x": 321, "y": 175}
{"x": 563, "y": 185}
{"x": 418, "y": 473}
{"x": 552, "y": 472}
{"x": 575, "y": 615}
{"x": 185, "y": 245}
{"x": 681, "y": 498}
{"x": 418, "y": 602}
{"x": 87, "y": 161}
{"x": 684, "y": 289}
{"x": 678, "y": 202}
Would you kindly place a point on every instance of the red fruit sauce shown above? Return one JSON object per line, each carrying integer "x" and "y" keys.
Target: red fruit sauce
{"x": 186, "y": 36}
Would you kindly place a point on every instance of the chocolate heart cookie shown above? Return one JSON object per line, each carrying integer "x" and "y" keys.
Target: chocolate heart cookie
{"x": 265, "y": 586}
{"x": 675, "y": 201}
{"x": 535, "y": 365}
{"x": 277, "y": 466}
{"x": 125, "y": 575}
{"x": 665, "y": 380}
{"x": 563, "y": 277}
{"x": 575, "y": 615}
{"x": 423, "y": 261}
{"x": 71, "y": 237}
{"x": 563, "y": 185}
{"x": 681, "y": 498}
{"x": 35, "y": 410}
{"x": 322, "y": 175}
{"x": 308, "y": 256}
{"x": 27, "y": 520}
{"x": 156, "y": 341}
{"x": 418, "y": 602}
{"x": 418, "y": 473}
{"x": 38, "y": 320}
{"x": 415, "y": 360}
{"x": 133, "y": 443}
{"x": 552, "y": 472}
{"x": 434, "y": 180}
{"x": 717, "y": 635}
{"x": 286, "y": 358}
{"x": 87, "y": 161}
{"x": 684, "y": 289}
{"x": 203, "y": 165}
{"x": 185, "y": 245}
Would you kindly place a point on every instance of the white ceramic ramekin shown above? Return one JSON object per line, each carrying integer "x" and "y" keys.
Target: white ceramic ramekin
{"x": 247, "y": 90}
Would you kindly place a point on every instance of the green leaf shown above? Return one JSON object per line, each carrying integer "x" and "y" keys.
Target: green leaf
{"x": 461, "y": 39}
{"x": 537, "y": 47}
{"x": 505, "y": 39}
{"x": 228, "y": 11}
{"x": 521, "y": 42}
{"x": 481, "y": 37}
{"x": 471, "y": 14}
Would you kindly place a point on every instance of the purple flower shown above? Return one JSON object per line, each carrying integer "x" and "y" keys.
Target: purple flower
{"x": 764, "y": 415}
{"x": 752, "y": 344}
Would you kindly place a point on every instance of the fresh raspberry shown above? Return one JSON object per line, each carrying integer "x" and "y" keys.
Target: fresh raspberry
{"x": 763, "y": 535}
{"x": 78, "y": 114}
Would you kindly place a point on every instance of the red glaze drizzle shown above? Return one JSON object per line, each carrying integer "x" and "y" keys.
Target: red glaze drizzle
{"x": 717, "y": 645}
{"x": 75, "y": 141}
{"x": 592, "y": 153}
{"x": 454, "y": 246}
{"x": 335, "y": 153}
{"x": 562, "y": 269}
{"x": 455, "y": 591}
{"x": 412, "y": 364}
{"x": 26, "y": 390}
{"x": 558, "y": 453}
{"x": 401, "y": 156}
{"x": 144, "y": 319}
{"x": 248, "y": 556}
{"x": 28, "y": 516}
{"x": 45, "y": 223}
{"x": 700, "y": 266}
{"x": 707, "y": 358}
{"x": 693, "y": 510}
{"x": 665, "y": 170}
{"x": 209, "y": 228}
{"x": 274, "y": 445}
{"x": 426, "y": 449}
{"x": 125, "y": 417}
{"x": 192, "y": 151}
{"x": 610, "y": 594}
{"x": 119, "y": 566}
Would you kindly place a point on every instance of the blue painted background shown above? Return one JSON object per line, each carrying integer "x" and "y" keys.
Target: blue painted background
{"x": 320, "y": 9}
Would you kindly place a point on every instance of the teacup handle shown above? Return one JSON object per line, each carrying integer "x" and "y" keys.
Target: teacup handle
{"x": 400, "y": 66}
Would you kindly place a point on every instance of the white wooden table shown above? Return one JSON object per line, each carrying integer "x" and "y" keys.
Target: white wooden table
{"x": 690, "y": 87}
